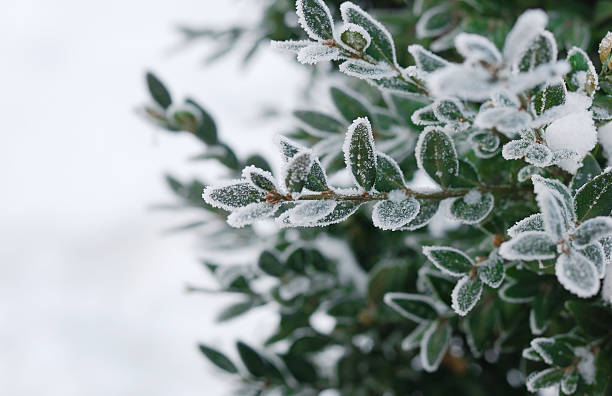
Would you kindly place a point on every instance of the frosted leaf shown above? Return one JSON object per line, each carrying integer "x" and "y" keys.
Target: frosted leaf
{"x": 589, "y": 169}
{"x": 470, "y": 83}
{"x": 315, "y": 18}
{"x": 381, "y": 47}
{"x": 232, "y": 195}
{"x": 316, "y": 52}
{"x": 434, "y": 345}
{"x": 531, "y": 354}
{"x": 295, "y": 287}
{"x": 529, "y": 245}
{"x": 466, "y": 294}
{"x": 575, "y": 131}
{"x": 505, "y": 98}
{"x": 288, "y": 147}
{"x": 592, "y": 230}
{"x": 556, "y": 204}
{"x": 595, "y": 254}
{"x": 449, "y": 260}
{"x": 564, "y": 155}
{"x": 360, "y": 153}
{"x": 426, "y": 61}
{"x": 250, "y": 214}
{"x": 538, "y": 155}
{"x": 512, "y": 292}
{"x": 577, "y": 274}
{"x": 342, "y": 211}
{"x": 416, "y": 307}
{"x": 569, "y": 384}
{"x": 586, "y": 366}
{"x": 486, "y": 143}
{"x": 548, "y": 100}
{"x": 474, "y": 47}
{"x": 540, "y": 75}
{"x": 435, "y": 21}
{"x": 428, "y": 209}
{"x": 526, "y": 172}
{"x": 527, "y": 27}
{"x": 606, "y": 243}
{"x": 446, "y": 41}
{"x": 491, "y": 271}
{"x": 366, "y": 71}
{"x": 552, "y": 351}
{"x": 291, "y": 45}
{"x": 310, "y": 212}
{"x": 449, "y": 110}
{"x": 353, "y": 37}
{"x": 389, "y": 176}
{"x": 260, "y": 178}
{"x": 390, "y": 215}
{"x": 582, "y": 76}
{"x": 544, "y": 379}
{"x": 472, "y": 208}
{"x": 564, "y": 195}
{"x": 543, "y": 49}
{"x": 425, "y": 116}
{"x": 507, "y": 120}
{"x": 296, "y": 171}
{"x": 515, "y": 149}
{"x": 595, "y": 197}
{"x": 534, "y": 222}
{"x": 413, "y": 339}
{"x": 436, "y": 154}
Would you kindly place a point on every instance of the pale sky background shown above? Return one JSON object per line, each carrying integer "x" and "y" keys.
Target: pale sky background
{"x": 91, "y": 288}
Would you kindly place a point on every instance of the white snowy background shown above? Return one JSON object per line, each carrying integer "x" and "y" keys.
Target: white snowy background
{"x": 92, "y": 297}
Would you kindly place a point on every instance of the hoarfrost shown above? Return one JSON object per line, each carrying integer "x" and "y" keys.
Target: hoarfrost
{"x": 317, "y": 53}
{"x": 231, "y": 195}
{"x": 465, "y": 295}
{"x": 366, "y": 71}
{"x": 491, "y": 271}
{"x": 260, "y": 178}
{"x": 471, "y": 208}
{"x": 577, "y": 274}
{"x": 449, "y": 260}
{"x": 474, "y": 47}
{"x": 391, "y": 215}
{"x": 606, "y": 290}
{"x": 427, "y": 211}
{"x": 534, "y": 222}
{"x": 527, "y": 27}
{"x": 315, "y": 18}
{"x": 291, "y": 45}
{"x": 250, "y": 214}
{"x": 422, "y": 28}
{"x": 592, "y": 230}
{"x": 296, "y": 171}
{"x": 426, "y": 61}
{"x": 529, "y": 245}
{"x": 429, "y": 360}
{"x": 352, "y": 31}
{"x": 360, "y": 152}
{"x": 470, "y": 83}
{"x": 595, "y": 254}
{"x": 309, "y": 212}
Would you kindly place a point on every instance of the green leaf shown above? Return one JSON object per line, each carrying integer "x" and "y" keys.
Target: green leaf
{"x": 269, "y": 264}
{"x": 466, "y": 176}
{"x": 158, "y": 91}
{"x": 589, "y": 169}
{"x": 434, "y": 344}
{"x": 594, "y": 320}
{"x": 348, "y": 105}
{"x": 222, "y": 153}
{"x": 436, "y": 155}
{"x": 389, "y": 176}
{"x": 315, "y": 18}
{"x": 308, "y": 345}
{"x": 301, "y": 369}
{"x": 545, "y": 305}
{"x": 603, "y": 372}
{"x": 595, "y": 197}
{"x": 544, "y": 379}
{"x": 416, "y": 307}
{"x": 218, "y": 359}
{"x": 381, "y": 47}
{"x": 360, "y": 153}
{"x": 435, "y": 21}
{"x": 320, "y": 121}
{"x": 316, "y": 179}
{"x": 449, "y": 260}
{"x": 427, "y": 210}
{"x": 298, "y": 260}
{"x": 480, "y": 327}
{"x": 553, "y": 352}
{"x": 386, "y": 277}
{"x": 235, "y": 310}
{"x": 253, "y": 361}
{"x": 206, "y": 129}
{"x": 297, "y": 171}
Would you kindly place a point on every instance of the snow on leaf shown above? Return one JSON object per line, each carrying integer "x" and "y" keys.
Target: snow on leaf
{"x": 474, "y": 47}
{"x": 381, "y": 47}
{"x": 309, "y": 212}
{"x": 434, "y": 345}
{"x": 466, "y": 294}
{"x": 390, "y": 215}
{"x": 291, "y": 45}
{"x": 353, "y": 37}
{"x": 491, "y": 271}
{"x": 595, "y": 254}
{"x": 577, "y": 274}
{"x": 515, "y": 149}
{"x": 582, "y": 76}
{"x": 449, "y": 260}
{"x": 426, "y": 61}
{"x": 416, "y": 307}
{"x": 232, "y": 195}
{"x": 250, "y": 214}
{"x": 469, "y": 83}
{"x": 435, "y": 21}
{"x": 367, "y": 71}
{"x": 296, "y": 171}
{"x": 543, "y": 49}
{"x": 544, "y": 379}
{"x": 529, "y": 245}
{"x": 538, "y": 155}
{"x": 472, "y": 208}
{"x": 527, "y": 27}
{"x": 534, "y": 222}
{"x": 542, "y": 74}
{"x": 428, "y": 208}
{"x": 592, "y": 230}
{"x": 260, "y": 178}
{"x": 315, "y": 18}
{"x": 360, "y": 153}
{"x": 507, "y": 120}
{"x": 436, "y": 154}
{"x": 586, "y": 366}
{"x": 316, "y": 53}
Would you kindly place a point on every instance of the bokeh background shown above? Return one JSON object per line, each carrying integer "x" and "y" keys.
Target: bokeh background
{"x": 92, "y": 286}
